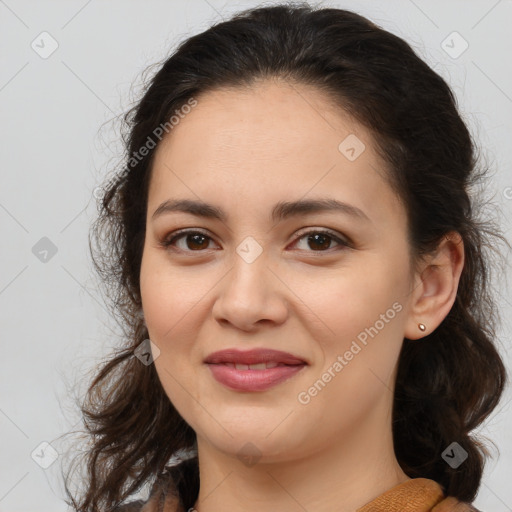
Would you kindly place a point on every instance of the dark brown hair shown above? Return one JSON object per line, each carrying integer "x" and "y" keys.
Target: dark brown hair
{"x": 448, "y": 382}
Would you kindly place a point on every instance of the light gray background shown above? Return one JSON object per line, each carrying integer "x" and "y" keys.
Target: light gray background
{"x": 53, "y": 324}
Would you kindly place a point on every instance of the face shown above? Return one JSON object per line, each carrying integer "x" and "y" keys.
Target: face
{"x": 258, "y": 276}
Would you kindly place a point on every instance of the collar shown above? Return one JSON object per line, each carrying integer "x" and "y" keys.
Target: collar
{"x": 416, "y": 495}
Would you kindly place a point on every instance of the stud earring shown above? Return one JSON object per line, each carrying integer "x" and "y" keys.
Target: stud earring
{"x": 422, "y": 327}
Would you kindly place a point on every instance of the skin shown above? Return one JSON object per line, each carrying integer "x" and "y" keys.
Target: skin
{"x": 244, "y": 151}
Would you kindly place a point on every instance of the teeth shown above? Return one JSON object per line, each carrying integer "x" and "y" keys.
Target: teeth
{"x": 257, "y": 366}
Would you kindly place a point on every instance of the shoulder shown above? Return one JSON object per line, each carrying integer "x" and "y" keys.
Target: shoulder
{"x": 416, "y": 495}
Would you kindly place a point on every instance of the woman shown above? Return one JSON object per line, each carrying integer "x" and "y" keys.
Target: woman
{"x": 302, "y": 279}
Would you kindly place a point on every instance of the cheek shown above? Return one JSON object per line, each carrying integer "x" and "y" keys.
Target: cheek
{"x": 172, "y": 327}
{"x": 169, "y": 309}
{"x": 361, "y": 323}
{"x": 171, "y": 296}
{"x": 346, "y": 300}
{"x": 358, "y": 317}
{"x": 174, "y": 303}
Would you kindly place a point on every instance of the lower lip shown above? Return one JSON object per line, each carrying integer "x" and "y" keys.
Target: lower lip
{"x": 253, "y": 380}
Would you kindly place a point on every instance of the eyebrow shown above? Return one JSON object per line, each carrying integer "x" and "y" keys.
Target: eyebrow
{"x": 281, "y": 210}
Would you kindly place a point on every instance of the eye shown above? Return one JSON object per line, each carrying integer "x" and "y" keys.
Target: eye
{"x": 320, "y": 239}
{"x": 196, "y": 241}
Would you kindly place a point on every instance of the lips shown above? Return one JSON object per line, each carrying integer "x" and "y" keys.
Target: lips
{"x": 253, "y": 370}
{"x": 253, "y": 357}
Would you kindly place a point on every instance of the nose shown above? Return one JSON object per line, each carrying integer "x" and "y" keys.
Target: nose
{"x": 251, "y": 295}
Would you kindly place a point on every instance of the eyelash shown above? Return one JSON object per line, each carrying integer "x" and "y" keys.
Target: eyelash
{"x": 169, "y": 241}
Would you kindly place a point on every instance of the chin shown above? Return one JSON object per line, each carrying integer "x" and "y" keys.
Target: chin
{"x": 253, "y": 436}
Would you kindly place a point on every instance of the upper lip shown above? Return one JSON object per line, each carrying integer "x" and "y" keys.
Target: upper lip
{"x": 255, "y": 356}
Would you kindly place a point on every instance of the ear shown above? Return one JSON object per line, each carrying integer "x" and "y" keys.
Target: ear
{"x": 435, "y": 287}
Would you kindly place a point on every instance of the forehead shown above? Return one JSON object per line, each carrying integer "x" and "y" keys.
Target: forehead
{"x": 272, "y": 141}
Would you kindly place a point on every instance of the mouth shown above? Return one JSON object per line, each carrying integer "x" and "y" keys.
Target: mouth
{"x": 254, "y": 357}
{"x": 254, "y": 370}
{"x": 256, "y": 366}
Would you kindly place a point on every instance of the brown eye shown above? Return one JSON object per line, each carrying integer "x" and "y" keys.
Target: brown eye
{"x": 194, "y": 241}
{"x": 320, "y": 240}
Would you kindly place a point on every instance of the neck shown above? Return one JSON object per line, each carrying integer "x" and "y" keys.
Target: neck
{"x": 339, "y": 477}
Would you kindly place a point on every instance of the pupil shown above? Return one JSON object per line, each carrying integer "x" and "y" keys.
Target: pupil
{"x": 195, "y": 237}
{"x": 320, "y": 236}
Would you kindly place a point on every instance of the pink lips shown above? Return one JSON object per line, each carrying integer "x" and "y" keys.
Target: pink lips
{"x": 253, "y": 370}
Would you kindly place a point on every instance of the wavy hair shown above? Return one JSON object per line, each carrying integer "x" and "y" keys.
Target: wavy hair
{"x": 448, "y": 383}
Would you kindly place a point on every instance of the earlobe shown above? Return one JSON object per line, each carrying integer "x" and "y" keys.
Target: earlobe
{"x": 433, "y": 298}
